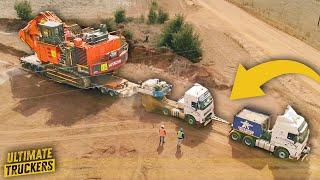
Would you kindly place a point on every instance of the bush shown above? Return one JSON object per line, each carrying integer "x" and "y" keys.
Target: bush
{"x": 174, "y": 26}
{"x": 23, "y": 9}
{"x": 130, "y": 19}
{"x": 152, "y": 16}
{"x": 162, "y": 16}
{"x": 120, "y": 16}
{"x": 127, "y": 34}
{"x": 154, "y": 5}
{"x": 180, "y": 37}
{"x": 187, "y": 44}
{"x": 111, "y": 25}
{"x": 141, "y": 18}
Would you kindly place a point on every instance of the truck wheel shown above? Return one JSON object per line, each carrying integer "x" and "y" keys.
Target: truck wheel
{"x": 282, "y": 153}
{"x": 234, "y": 135}
{"x": 248, "y": 140}
{"x": 191, "y": 120}
{"x": 165, "y": 111}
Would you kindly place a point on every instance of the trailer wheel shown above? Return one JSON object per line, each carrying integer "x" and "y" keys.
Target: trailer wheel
{"x": 248, "y": 140}
{"x": 103, "y": 90}
{"x": 236, "y": 136}
{"x": 112, "y": 93}
{"x": 191, "y": 120}
{"x": 281, "y": 153}
{"x": 165, "y": 111}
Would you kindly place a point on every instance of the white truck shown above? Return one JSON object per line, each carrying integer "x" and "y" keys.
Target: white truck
{"x": 196, "y": 106}
{"x": 287, "y": 139}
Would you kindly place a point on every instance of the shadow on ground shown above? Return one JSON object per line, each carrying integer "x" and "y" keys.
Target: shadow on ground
{"x": 259, "y": 158}
{"x": 66, "y": 104}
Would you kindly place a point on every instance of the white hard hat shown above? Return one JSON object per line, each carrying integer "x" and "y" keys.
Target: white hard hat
{"x": 162, "y": 126}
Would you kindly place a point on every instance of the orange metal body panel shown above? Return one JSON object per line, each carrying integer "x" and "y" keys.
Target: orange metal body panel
{"x": 29, "y": 33}
{"x": 98, "y": 51}
{"x": 48, "y": 53}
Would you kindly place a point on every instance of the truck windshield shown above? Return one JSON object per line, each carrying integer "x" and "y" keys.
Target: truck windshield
{"x": 205, "y": 100}
{"x": 303, "y": 135}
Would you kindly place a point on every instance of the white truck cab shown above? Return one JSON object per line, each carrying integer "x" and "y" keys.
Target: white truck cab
{"x": 291, "y": 132}
{"x": 287, "y": 139}
{"x": 197, "y": 104}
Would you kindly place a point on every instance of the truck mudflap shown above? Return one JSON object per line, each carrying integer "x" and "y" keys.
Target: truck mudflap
{"x": 207, "y": 122}
{"x": 305, "y": 152}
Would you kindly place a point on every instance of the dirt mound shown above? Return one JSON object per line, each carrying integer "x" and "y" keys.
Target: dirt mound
{"x": 178, "y": 66}
{"x": 127, "y": 151}
{"x": 100, "y": 152}
{"x": 108, "y": 151}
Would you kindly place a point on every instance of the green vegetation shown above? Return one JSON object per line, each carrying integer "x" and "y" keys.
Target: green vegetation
{"x": 111, "y": 25}
{"x": 157, "y": 15}
{"x": 181, "y": 38}
{"x": 152, "y": 16}
{"x": 141, "y": 18}
{"x": 162, "y": 16}
{"x": 23, "y": 9}
{"x": 127, "y": 34}
{"x": 120, "y": 16}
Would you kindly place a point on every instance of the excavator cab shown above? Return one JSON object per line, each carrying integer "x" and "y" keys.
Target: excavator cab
{"x": 51, "y": 32}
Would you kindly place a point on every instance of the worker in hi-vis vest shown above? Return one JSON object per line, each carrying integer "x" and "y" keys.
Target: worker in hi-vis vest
{"x": 180, "y": 136}
{"x": 162, "y": 134}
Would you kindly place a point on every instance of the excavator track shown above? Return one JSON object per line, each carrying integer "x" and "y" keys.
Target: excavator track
{"x": 67, "y": 77}
{"x": 56, "y": 73}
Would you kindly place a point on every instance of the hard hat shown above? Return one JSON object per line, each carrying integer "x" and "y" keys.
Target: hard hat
{"x": 181, "y": 129}
{"x": 162, "y": 126}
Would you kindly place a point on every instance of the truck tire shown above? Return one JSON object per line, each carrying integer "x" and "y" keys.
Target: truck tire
{"x": 235, "y": 136}
{"x": 165, "y": 111}
{"x": 248, "y": 141}
{"x": 281, "y": 153}
{"x": 191, "y": 120}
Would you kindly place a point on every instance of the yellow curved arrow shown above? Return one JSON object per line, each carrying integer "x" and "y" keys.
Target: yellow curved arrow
{"x": 247, "y": 82}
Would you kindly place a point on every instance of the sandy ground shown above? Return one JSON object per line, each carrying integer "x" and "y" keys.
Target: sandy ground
{"x": 299, "y": 18}
{"x": 98, "y": 137}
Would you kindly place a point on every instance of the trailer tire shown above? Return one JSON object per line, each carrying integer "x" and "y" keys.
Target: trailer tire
{"x": 165, "y": 111}
{"x": 248, "y": 141}
{"x": 191, "y": 120}
{"x": 235, "y": 136}
{"x": 112, "y": 93}
{"x": 103, "y": 90}
{"x": 281, "y": 153}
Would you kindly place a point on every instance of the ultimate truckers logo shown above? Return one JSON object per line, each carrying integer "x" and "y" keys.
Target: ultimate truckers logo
{"x": 34, "y": 161}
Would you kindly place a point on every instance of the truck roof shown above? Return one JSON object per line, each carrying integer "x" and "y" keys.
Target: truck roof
{"x": 196, "y": 90}
{"x": 253, "y": 116}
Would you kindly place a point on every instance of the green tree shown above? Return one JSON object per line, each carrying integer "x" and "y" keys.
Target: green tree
{"x": 173, "y": 26}
{"x": 152, "y": 16}
{"x": 111, "y": 25}
{"x": 120, "y": 16}
{"x": 162, "y": 16}
{"x": 23, "y": 10}
{"x": 187, "y": 43}
{"x": 127, "y": 34}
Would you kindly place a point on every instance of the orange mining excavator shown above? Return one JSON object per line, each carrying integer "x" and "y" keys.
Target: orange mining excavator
{"x": 84, "y": 58}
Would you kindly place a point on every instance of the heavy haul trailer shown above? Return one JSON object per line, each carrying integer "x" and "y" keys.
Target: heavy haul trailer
{"x": 196, "y": 106}
{"x": 69, "y": 54}
{"x": 287, "y": 139}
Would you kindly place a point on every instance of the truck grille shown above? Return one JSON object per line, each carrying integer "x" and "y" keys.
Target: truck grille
{"x": 208, "y": 117}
